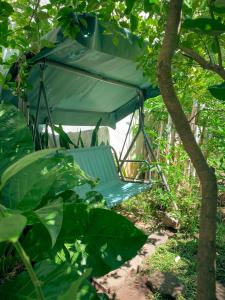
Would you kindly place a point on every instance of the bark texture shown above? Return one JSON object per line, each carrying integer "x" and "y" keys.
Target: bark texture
{"x": 206, "y": 246}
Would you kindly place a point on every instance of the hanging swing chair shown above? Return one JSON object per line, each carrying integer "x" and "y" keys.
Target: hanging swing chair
{"x": 79, "y": 81}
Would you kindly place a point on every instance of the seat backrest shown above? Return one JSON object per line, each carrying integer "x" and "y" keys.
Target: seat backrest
{"x": 97, "y": 162}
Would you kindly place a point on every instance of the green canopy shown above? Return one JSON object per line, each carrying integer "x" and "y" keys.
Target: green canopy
{"x": 89, "y": 77}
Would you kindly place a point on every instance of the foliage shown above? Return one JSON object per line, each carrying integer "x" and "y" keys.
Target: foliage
{"x": 19, "y": 141}
{"x": 65, "y": 141}
{"x": 61, "y": 240}
{"x": 218, "y": 91}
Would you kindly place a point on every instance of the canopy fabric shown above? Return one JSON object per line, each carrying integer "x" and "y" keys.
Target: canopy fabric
{"x": 89, "y": 77}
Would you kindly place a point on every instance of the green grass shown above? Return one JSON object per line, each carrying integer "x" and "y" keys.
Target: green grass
{"x": 141, "y": 208}
{"x": 185, "y": 268}
{"x": 164, "y": 260}
{"x": 144, "y": 208}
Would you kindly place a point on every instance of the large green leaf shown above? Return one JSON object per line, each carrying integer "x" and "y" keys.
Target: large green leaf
{"x": 5, "y": 9}
{"x": 94, "y": 238}
{"x": 129, "y": 5}
{"x": 23, "y": 163}
{"x": 16, "y": 139}
{"x": 11, "y": 227}
{"x": 219, "y": 6}
{"x": 60, "y": 282}
{"x": 109, "y": 239}
{"x": 205, "y": 25}
{"x": 38, "y": 177}
{"x": 51, "y": 217}
{"x": 218, "y": 91}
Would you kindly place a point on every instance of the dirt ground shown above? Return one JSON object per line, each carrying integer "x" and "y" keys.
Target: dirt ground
{"x": 126, "y": 283}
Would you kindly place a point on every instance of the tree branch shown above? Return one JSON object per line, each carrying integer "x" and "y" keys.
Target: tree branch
{"x": 34, "y": 11}
{"x": 203, "y": 62}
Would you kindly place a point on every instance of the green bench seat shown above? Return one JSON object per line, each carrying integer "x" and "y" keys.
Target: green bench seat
{"x": 98, "y": 162}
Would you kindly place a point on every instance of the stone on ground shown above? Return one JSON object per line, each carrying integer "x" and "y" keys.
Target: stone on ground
{"x": 170, "y": 221}
{"x": 220, "y": 291}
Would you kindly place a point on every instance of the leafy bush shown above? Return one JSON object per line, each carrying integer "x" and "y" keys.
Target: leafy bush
{"x": 51, "y": 241}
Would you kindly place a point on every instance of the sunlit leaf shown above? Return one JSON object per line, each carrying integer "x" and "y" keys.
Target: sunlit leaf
{"x": 38, "y": 177}
{"x": 11, "y": 227}
{"x": 109, "y": 238}
{"x": 51, "y": 216}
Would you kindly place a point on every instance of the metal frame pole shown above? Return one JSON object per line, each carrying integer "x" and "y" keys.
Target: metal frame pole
{"x": 49, "y": 113}
{"x": 130, "y": 147}
{"x": 42, "y": 90}
{"x": 148, "y": 145}
{"x": 126, "y": 136}
{"x": 37, "y": 112}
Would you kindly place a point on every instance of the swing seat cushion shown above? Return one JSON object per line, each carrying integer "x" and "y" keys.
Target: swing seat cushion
{"x": 98, "y": 162}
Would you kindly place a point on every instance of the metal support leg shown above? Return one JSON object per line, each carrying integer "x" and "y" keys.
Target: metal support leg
{"x": 43, "y": 91}
{"x": 159, "y": 170}
{"x": 49, "y": 114}
{"x": 37, "y": 113}
{"x": 150, "y": 152}
{"x": 130, "y": 147}
{"x": 121, "y": 153}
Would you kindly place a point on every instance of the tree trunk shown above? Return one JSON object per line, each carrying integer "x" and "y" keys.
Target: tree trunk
{"x": 206, "y": 246}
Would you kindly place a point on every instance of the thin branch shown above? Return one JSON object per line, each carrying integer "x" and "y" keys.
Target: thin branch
{"x": 203, "y": 62}
{"x": 205, "y": 109}
{"x": 34, "y": 11}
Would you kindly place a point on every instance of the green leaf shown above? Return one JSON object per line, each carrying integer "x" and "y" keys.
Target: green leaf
{"x": 5, "y": 9}
{"x": 205, "y": 25}
{"x": 218, "y": 91}
{"x": 63, "y": 137}
{"x": 11, "y": 227}
{"x": 59, "y": 282}
{"x": 129, "y": 5}
{"x": 94, "y": 137}
{"x": 23, "y": 163}
{"x": 51, "y": 216}
{"x": 108, "y": 238}
{"x": 47, "y": 44}
{"x": 38, "y": 177}
{"x": 80, "y": 140}
{"x": 218, "y": 6}
{"x": 94, "y": 238}
{"x": 16, "y": 140}
{"x": 133, "y": 22}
